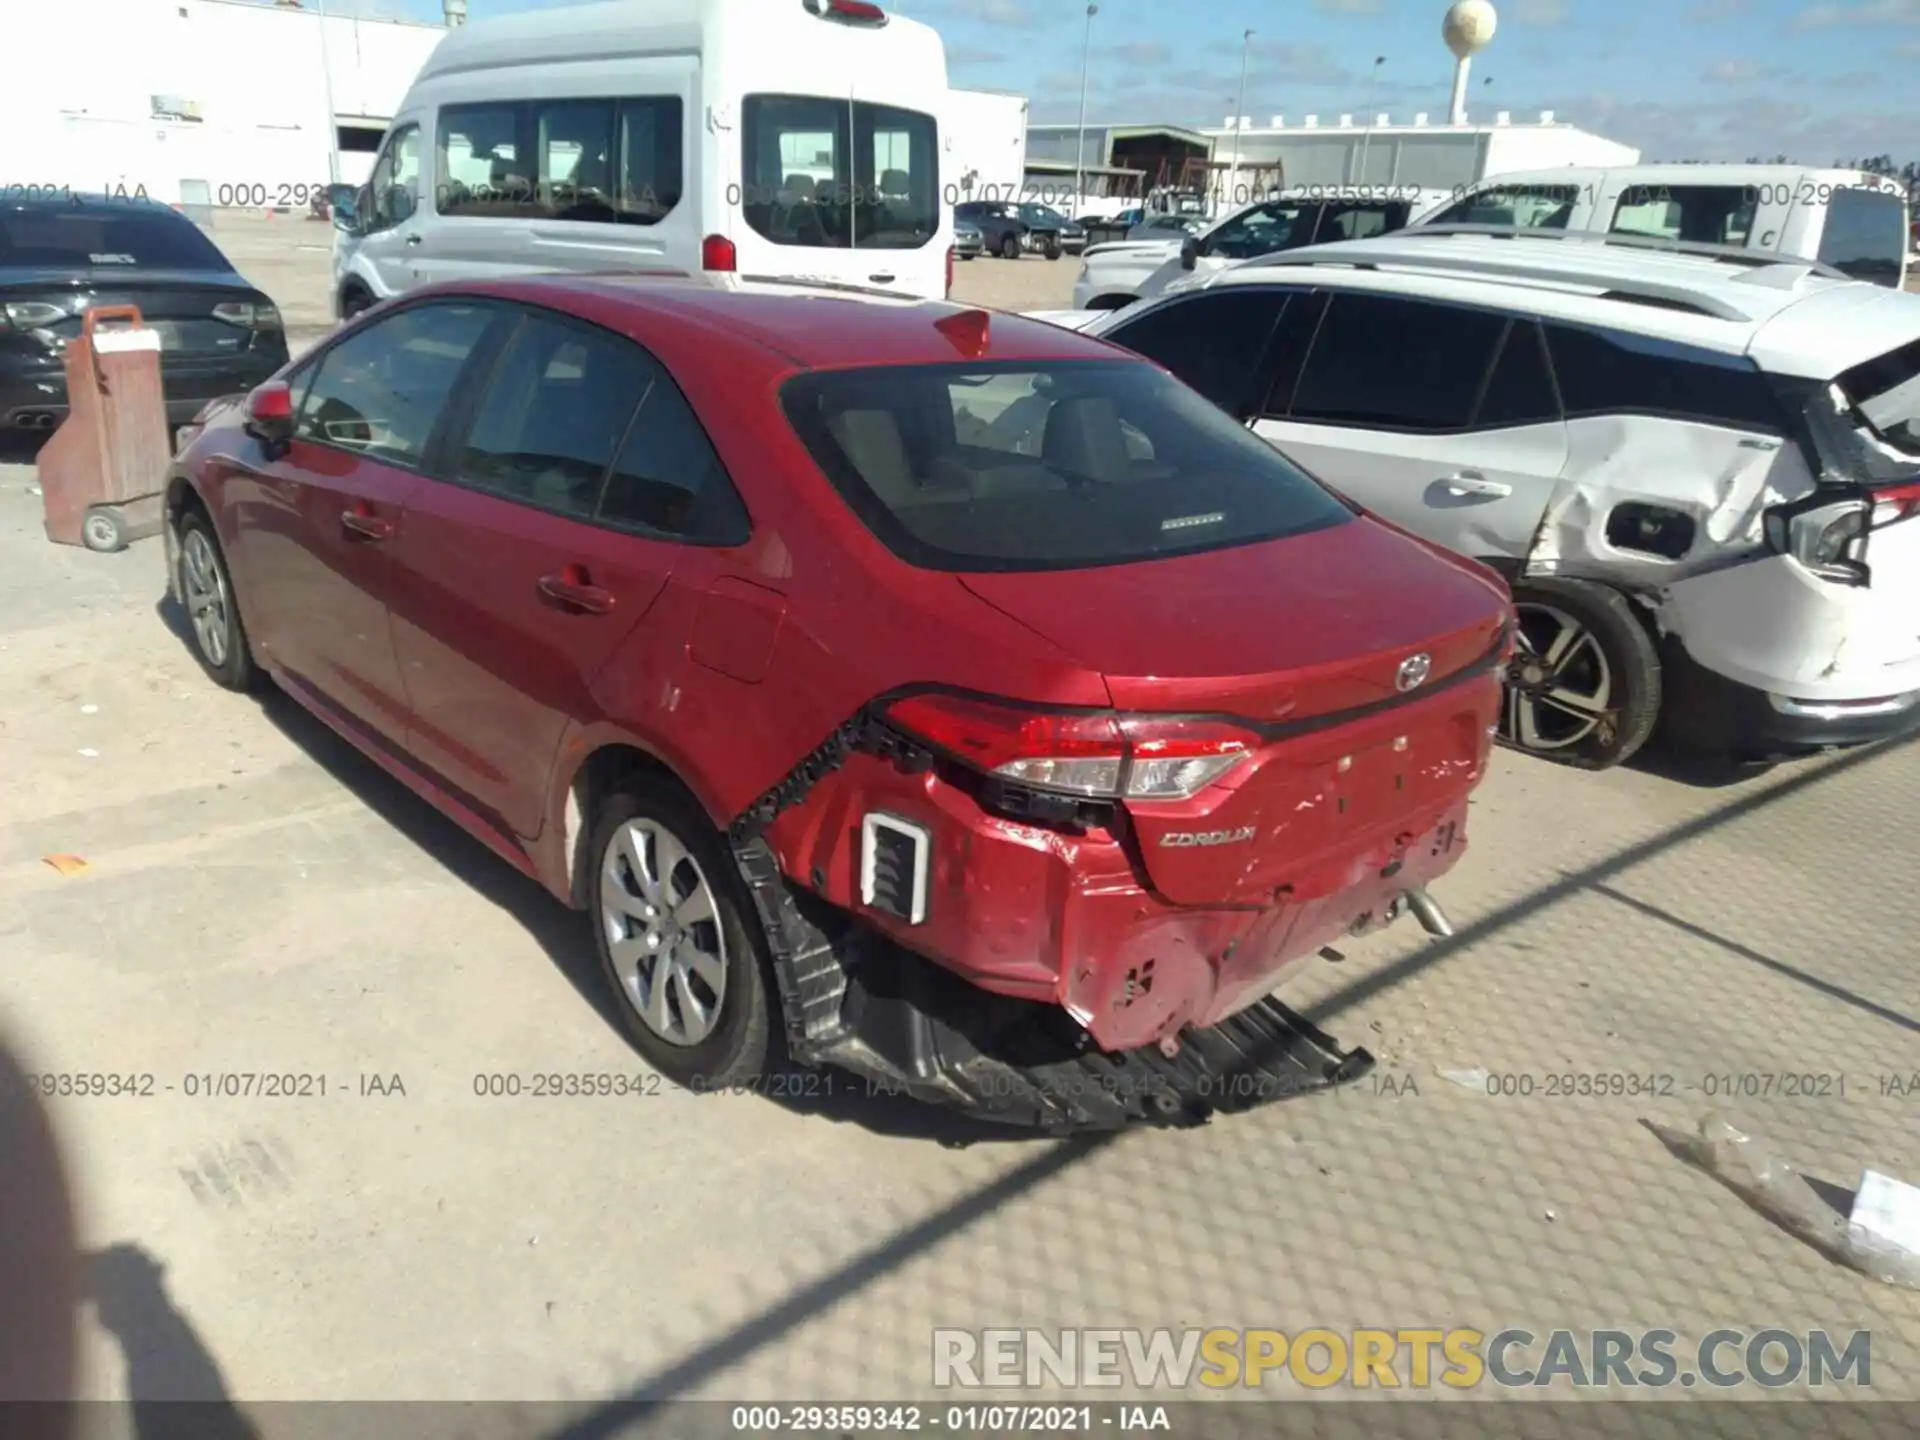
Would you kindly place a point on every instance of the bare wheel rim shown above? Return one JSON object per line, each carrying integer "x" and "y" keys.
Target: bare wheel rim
{"x": 207, "y": 600}
{"x": 1559, "y": 684}
{"x": 663, "y": 932}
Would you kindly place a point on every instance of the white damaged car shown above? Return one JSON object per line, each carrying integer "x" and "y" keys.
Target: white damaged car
{"x": 1698, "y": 468}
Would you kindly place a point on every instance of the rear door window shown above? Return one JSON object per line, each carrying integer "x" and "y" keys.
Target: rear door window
{"x": 667, "y": 480}
{"x": 74, "y": 237}
{"x": 1027, "y": 465}
{"x": 381, "y": 391}
{"x": 1520, "y": 387}
{"x": 1214, "y": 341}
{"x": 553, "y": 414}
{"x": 1397, "y": 364}
{"x": 838, "y": 174}
{"x": 1613, "y": 372}
{"x": 1865, "y": 234}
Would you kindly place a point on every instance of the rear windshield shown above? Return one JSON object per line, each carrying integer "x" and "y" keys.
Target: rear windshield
{"x": 1025, "y": 466}
{"x": 66, "y": 237}
{"x": 1884, "y": 395}
{"x": 1866, "y": 234}
{"x": 839, "y": 173}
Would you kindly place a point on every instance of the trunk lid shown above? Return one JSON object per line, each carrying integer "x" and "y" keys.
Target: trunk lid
{"x": 1304, "y": 639}
{"x": 179, "y": 304}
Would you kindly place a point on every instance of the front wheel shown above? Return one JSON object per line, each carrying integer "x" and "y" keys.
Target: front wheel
{"x": 1583, "y": 687}
{"x": 219, "y": 639}
{"x": 679, "y": 943}
{"x": 1010, "y": 247}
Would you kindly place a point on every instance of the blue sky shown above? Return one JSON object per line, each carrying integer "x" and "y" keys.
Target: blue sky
{"x": 1683, "y": 79}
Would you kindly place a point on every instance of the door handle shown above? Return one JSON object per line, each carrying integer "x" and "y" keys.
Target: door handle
{"x": 883, "y": 279}
{"x": 570, "y": 590}
{"x": 361, "y": 526}
{"x": 413, "y": 239}
{"x": 1472, "y": 482}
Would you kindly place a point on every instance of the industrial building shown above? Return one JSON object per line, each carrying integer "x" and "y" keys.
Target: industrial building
{"x": 1234, "y": 163}
{"x": 201, "y": 101}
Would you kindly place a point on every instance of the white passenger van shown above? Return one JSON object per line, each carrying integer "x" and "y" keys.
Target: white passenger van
{"x": 1852, "y": 220}
{"x": 748, "y": 139}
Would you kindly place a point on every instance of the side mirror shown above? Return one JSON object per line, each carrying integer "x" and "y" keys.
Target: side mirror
{"x": 345, "y": 202}
{"x": 1189, "y": 252}
{"x": 270, "y": 415}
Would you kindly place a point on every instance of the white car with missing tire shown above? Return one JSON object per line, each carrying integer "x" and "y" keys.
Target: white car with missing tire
{"x": 1698, "y": 467}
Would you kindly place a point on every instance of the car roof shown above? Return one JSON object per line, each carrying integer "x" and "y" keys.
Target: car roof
{"x": 1719, "y": 301}
{"x": 809, "y": 326}
{"x": 84, "y": 203}
{"x": 1672, "y": 174}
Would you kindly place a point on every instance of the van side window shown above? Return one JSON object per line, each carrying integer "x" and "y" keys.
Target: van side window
{"x": 1611, "y": 372}
{"x": 608, "y": 161}
{"x": 1532, "y": 207}
{"x": 393, "y": 192}
{"x": 1697, "y": 214}
{"x": 1397, "y": 364}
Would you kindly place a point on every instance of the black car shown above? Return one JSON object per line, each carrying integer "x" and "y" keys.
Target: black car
{"x": 1008, "y": 228}
{"x": 63, "y": 253}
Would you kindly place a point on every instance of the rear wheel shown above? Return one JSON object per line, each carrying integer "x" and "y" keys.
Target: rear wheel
{"x": 678, "y": 940}
{"x": 1583, "y": 687}
{"x": 1010, "y": 247}
{"x": 1053, "y": 250}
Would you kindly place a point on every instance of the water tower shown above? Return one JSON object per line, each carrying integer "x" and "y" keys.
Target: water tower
{"x": 1467, "y": 30}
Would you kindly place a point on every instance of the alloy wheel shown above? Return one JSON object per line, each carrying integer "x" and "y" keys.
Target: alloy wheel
{"x": 207, "y": 599}
{"x": 663, "y": 932}
{"x": 1559, "y": 684}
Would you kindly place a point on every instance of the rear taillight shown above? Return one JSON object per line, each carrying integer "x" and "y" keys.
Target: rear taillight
{"x": 1895, "y": 502}
{"x": 1818, "y": 536}
{"x": 253, "y": 316}
{"x": 717, "y": 253}
{"x": 31, "y": 315}
{"x": 1099, "y": 754}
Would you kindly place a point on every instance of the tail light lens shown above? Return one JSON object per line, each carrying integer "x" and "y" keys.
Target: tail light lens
{"x": 1895, "y": 502}
{"x": 1101, "y": 755}
{"x": 717, "y": 253}
{"x": 1819, "y": 536}
{"x": 251, "y": 316}
{"x": 32, "y": 314}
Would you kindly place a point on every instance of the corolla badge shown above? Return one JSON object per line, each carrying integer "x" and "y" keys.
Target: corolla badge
{"x": 1413, "y": 672}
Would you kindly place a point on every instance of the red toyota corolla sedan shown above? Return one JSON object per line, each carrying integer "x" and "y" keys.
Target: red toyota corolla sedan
{"x": 948, "y": 698}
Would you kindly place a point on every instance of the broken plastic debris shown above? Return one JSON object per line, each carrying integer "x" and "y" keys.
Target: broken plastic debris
{"x": 1877, "y": 1239}
{"x": 91, "y": 753}
{"x": 89, "y": 709}
{"x": 1474, "y": 1079}
{"x": 33, "y": 489}
{"x": 65, "y": 864}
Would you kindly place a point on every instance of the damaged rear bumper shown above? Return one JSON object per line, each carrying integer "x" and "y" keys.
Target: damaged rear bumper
{"x": 855, "y": 1000}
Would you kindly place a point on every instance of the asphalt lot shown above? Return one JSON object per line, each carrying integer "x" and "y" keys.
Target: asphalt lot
{"x": 258, "y": 899}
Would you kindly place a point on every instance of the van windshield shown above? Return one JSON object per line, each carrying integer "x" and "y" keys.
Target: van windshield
{"x": 1024, "y": 465}
{"x": 839, "y": 174}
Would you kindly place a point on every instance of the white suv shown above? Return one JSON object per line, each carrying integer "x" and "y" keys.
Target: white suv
{"x": 1118, "y": 272}
{"x": 1699, "y": 468}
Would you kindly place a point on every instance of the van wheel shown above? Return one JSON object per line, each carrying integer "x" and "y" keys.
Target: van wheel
{"x": 678, "y": 941}
{"x": 1010, "y": 247}
{"x": 1583, "y": 687}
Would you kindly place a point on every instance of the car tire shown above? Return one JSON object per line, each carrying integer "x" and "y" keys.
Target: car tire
{"x": 1010, "y": 247}
{"x": 1053, "y": 252}
{"x": 353, "y": 300}
{"x": 1584, "y": 685}
{"x": 713, "y": 1023}
{"x": 216, "y": 632}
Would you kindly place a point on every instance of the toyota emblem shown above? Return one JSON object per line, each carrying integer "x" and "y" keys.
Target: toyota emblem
{"x": 1413, "y": 672}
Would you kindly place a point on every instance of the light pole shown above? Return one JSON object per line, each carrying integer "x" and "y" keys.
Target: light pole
{"x": 333, "y": 123}
{"x": 1366, "y": 140}
{"x": 1080, "y": 143}
{"x": 1239, "y": 105}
